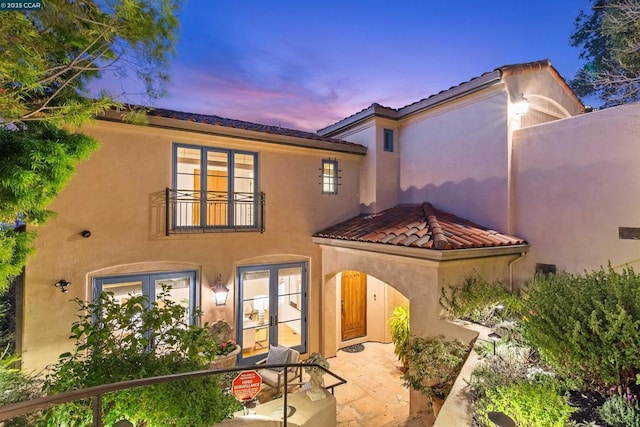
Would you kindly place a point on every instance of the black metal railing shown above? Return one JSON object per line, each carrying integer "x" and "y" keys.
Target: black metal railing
{"x": 194, "y": 211}
{"x": 96, "y": 393}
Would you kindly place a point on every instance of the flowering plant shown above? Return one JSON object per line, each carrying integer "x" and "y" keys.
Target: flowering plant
{"x": 225, "y": 347}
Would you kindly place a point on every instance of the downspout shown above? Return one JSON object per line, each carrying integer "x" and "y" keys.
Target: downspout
{"x": 510, "y": 267}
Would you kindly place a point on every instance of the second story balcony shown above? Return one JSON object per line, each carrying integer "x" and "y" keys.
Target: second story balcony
{"x": 194, "y": 211}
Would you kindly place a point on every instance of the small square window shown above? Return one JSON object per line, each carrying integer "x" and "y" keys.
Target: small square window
{"x": 388, "y": 140}
{"x": 329, "y": 177}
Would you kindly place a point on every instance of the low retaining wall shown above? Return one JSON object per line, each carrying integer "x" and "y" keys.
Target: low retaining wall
{"x": 458, "y": 409}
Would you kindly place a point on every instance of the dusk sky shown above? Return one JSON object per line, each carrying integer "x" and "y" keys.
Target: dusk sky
{"x": 306, "y": 65}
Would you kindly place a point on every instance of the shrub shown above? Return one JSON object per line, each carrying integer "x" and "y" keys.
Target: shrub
{"x": 620, "y": 412}
{"x": 478, "y": 301}
{"x": 137, "y": 339}
{"x": 434, "y": 364}
{"x": 510, "y": 364}
{"x": 400, "y": 334}
{"x": 529, "y": 404}
{"x": 37, "y": 162}
{"x": 16, "y": 386}
{"x": 587, "y": 326}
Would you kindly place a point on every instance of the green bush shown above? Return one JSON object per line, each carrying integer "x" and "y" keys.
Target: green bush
{"x": 587, "y": 326}
{"x": 529, "y": 404}
{"x": 16, "y": 386}
{"x": 36, "y": 164}
{"x": 510, "y": 364}
{"x": 133, "y": 340}
{"x": 478, "y": 301}
{"x": 400, "y": 334}
{"x": 620, "y": 412}
{"x": 434, "y": 364}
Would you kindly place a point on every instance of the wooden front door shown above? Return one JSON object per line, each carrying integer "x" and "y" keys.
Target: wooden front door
{"x": 354, "y": 304}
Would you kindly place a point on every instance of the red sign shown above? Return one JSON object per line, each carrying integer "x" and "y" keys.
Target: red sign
{"x": 246, "y": 385}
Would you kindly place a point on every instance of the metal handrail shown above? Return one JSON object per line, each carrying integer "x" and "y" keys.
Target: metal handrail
{"x": 96, "y": 392}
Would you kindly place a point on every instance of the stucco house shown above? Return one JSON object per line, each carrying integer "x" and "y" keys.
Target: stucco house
{"x": 318, "y": 236}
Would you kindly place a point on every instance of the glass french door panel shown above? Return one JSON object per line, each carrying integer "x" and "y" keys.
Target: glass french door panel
{"x": 217, "y": 195}
{"x": 243, "y": 187}
{"x": 124, "y": 290}
{"x": 290, "y": 306}
{"x": 187, "y": 206}
{"x": 178, "y": 290}
{"x": 255, "y": 312}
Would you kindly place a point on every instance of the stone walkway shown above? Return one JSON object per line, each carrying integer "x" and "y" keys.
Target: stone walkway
{"x": 374, "y": 394}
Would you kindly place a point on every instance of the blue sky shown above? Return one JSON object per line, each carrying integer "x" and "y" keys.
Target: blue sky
{"x": 308, "y": 64}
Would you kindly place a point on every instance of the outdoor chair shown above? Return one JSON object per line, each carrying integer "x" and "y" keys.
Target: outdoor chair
{"x": 275, "y": 377}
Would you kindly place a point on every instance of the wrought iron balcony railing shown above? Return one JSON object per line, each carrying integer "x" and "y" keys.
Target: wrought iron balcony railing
{"x": 195, "y": 211}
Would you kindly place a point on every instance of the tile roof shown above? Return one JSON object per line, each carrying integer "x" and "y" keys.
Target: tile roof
{"x": 486, "y": 78}
{"x": 418, "y": 226}
{"x": 240, "y": 124}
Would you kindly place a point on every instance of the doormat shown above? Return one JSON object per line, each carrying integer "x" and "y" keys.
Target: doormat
{"x": 356, "y": 348}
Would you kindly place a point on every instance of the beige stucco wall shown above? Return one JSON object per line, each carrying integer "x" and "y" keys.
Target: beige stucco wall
{"x": 119, "y": 196}
{"x": 576, "y": 181}
{"x": 456, "y": 156}
{"x": 380, "y": 179}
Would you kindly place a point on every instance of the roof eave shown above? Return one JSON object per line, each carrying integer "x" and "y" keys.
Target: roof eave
{"x": 426, "y": 254}
{"x": 452, "y": 94}
{"x": 376, "y": 110}
{"x": 217, "y": 130}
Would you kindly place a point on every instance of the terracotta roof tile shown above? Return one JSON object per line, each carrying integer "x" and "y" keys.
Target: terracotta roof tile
{"x": 240, "y": 124}
{"x": 418, "y": 226}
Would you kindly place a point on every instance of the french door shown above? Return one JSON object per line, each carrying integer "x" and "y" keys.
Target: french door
{"x": 180, "y": 287}
{"x": 272, "y": 309}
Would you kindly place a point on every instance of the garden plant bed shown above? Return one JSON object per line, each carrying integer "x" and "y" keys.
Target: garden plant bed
{"x": 561, "y": 354}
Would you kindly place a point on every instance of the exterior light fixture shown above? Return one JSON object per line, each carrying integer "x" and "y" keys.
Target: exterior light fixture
{"x": 62, "y": 284}
{"x": 494, "y": 338}
{"x": 501, "y": 420}
{"x": 220, "y": 291}
{"x": 520, "y": 106}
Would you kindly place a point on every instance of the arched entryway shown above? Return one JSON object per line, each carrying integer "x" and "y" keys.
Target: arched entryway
{"x": 418, "y": 279}
{"x": 364, "y": 305}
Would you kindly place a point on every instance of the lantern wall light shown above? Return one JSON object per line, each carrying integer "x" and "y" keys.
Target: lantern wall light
{"x": 220, "y": 291}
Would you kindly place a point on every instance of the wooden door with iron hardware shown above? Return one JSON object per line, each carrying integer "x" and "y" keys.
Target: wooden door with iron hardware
{"x": 354, "y": 304}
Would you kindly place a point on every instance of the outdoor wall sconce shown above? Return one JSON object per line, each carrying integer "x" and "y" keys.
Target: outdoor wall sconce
{"x": 494, "y": 338}
{"x": 220, "y": 291}
{"x": 86, "y": 234}
{"x": 520, "y": 106}
{"x": 62, "y": 284}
